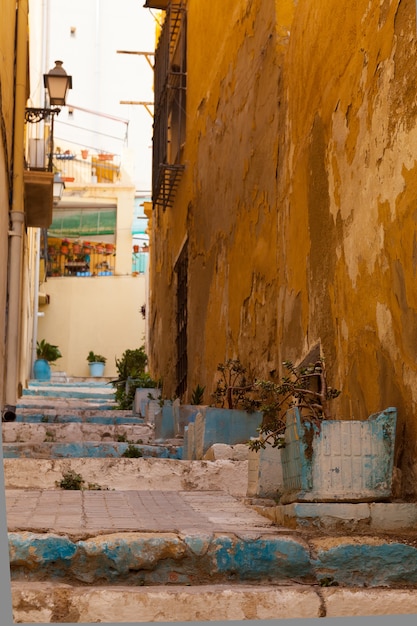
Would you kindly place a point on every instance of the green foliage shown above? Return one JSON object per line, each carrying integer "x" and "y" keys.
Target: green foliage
{"x": 71, "y": 481}
{"x": 49, "y": 436}
{"x": 234, "y": 387}
{"x": 132, "y": 452}
{"x": 197, "y": 395}
{"x": 304, "y": 387}
{"x": 95, "y": 358}
{"x": 47, "y": 351}
{"x": 132, "y": 375}
{"x": 131, "y": 364}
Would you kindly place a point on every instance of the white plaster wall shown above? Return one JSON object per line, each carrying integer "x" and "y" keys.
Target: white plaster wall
{"x": 98, "y": 313}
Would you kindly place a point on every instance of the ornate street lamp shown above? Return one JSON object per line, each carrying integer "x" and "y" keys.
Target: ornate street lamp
{"x": 57, "y": 83}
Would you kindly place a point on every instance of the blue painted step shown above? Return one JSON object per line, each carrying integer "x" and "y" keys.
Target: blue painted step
{"x": 152, "y": 559}
{"x": 87, "y": 449}
{"x": 53, "y": 392}
{"x": 35, "y": 418}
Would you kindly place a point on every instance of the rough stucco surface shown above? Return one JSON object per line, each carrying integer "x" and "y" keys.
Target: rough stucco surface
{"x": 7, "y": 33}
{"x": 298, "y": 201}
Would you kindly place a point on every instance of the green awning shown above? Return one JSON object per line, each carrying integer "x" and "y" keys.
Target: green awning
{"x": 83, "y": 222}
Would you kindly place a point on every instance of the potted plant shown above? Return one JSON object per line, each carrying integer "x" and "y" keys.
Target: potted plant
{"x": 234, "y": 418}
{"x": 96, "y": 364}
{"x": 46, "y": 353}
{"x": 324, "y": 459}
{"x": 65, "y": 247}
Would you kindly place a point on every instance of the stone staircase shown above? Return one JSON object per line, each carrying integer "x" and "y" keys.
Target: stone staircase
{"x": 158, "y": 538}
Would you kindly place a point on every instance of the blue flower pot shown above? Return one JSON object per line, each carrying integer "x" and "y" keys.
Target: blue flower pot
{"x": 96, "y": 369}
{"x": 41, "y": 370}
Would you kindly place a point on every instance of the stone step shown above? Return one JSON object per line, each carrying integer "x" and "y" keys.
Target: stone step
{"x": 51, "y": 602}
{"x": 205, "y": 554}
{"x": 153, "y": 537}
{"x": 87, "y": 450}
{"x": 130, "y": 474}
{"x": 75, "y": 431}
{"x": 60, "y": 404}
{"x": 88, "y": 416}
{"x": 82, "y": 393}
{"x": 69, "y": 382}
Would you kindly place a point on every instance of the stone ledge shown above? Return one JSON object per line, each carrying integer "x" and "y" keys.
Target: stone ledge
{"x": 394, "y": 517}
{"x": 47, "y": 602}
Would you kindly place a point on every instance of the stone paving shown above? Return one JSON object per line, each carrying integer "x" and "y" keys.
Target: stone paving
{"x": 88, "y": 513}
{"x": 172, "y": 540}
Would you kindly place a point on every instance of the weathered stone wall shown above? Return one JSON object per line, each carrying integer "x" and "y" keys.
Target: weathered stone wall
{"x": 7, "y": 33}
{"x": 348, "y": 204}
{"x": 298, "y": 201}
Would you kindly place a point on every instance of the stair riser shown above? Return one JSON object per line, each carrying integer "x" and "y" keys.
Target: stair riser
{"x": 108, "y": 418}
{"x": 130, "y": 474}
{"x": 74, "y": 432}
{"x": 163, "y": 559}
{"x": 86, "y": 450}
{"x": 49, "y": 603}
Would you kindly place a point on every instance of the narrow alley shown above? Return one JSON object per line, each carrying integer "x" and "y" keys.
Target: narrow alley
{"x": 96, "y": 536}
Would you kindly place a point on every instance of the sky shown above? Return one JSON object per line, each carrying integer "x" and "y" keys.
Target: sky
{"x": 86, "y": 37}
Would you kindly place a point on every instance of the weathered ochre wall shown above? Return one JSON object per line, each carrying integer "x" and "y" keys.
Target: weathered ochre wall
{"x": 7, "y": 65}
{"x": 298, "y": 200}
{"x": 348, "y": 204}
{"x": 226, "y": 203}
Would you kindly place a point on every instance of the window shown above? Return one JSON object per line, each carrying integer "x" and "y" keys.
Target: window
{"x": 170, "y": 105}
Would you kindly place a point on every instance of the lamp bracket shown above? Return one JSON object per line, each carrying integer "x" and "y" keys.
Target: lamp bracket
{"x": 34, "y": 115}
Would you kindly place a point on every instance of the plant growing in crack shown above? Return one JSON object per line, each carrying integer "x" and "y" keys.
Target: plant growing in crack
{"x": 304, "y": 387}
{"x": 235, "y": 387}
{"x": 132, "y": 452}
{"x": 71, "y": 481}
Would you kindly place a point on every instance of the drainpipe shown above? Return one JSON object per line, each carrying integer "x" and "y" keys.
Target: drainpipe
{"x": 36, "y": 300}
{"x": 17, "y": 217}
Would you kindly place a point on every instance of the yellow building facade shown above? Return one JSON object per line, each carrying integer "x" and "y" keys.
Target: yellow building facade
{"x": 284, "y": 186}
{"x": 17, "y": 243}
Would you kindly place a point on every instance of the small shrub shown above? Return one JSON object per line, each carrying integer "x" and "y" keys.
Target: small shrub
{"x": 49, "y": 436}
{"x": 132, "y": 452}
{"x": 47, "y": 351}
{"x": 197, "y": 395}
{"x": 71, "y": 481}
{"x": 92, "y": 357}
{"x": 234, "y": 387}
{"x": 131, "y": 375}
{"x": 303, "y": 387}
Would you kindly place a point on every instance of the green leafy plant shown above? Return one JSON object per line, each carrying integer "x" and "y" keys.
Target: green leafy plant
{"x": 71, "y": 481}
{"x": 131, "y": 375}
{"x": 131, "y": 364}
{"x": 132, "y": 452}
{"x": 197, "y": 395}
{"x": 95, "y": 358}
{"x": 49, "y": 436}
{"x": 234, "y": 387}
{"x": 47, "y": 351}
{"x": 304, "y": 387}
